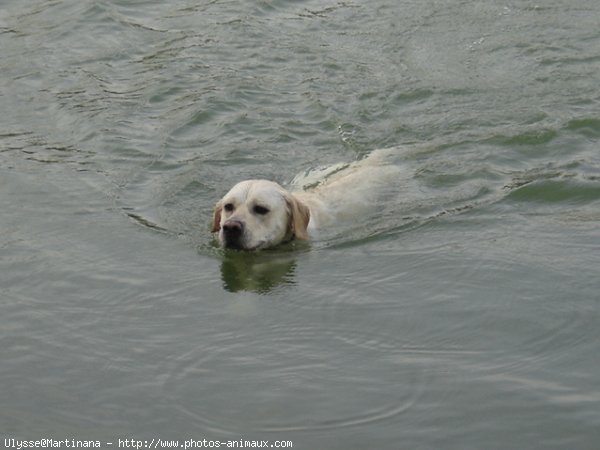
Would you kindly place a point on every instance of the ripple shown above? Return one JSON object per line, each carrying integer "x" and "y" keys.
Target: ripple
{"x": 556, "y": 335}
{"x": 589, "y": 127}
{"x": 531, "y": 137}
{"x": 317, "y": 376}
{"x": 557, "y": 191}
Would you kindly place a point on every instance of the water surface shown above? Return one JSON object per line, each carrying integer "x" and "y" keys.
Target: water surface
{"x": 464, "y": 314}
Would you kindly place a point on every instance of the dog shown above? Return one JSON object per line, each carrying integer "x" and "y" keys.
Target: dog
{"x": 258, "y": 214}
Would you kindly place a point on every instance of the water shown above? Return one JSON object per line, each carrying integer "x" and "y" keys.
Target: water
{"x": 464, "y": 314}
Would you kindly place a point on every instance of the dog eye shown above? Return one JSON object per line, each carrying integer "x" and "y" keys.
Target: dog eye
{"x": 228, "y": 207}
{"x": 261, "y": 210}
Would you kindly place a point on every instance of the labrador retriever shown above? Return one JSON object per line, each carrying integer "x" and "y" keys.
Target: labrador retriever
{"x": 257, "y": 214}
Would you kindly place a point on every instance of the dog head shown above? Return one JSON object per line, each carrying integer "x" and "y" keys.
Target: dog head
{"x": 258, "y": 214}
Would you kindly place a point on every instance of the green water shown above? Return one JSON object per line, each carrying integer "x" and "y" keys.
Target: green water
{"x": 464, "y": 314}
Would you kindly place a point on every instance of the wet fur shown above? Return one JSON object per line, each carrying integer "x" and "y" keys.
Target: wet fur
{"x": 348, "y": 190}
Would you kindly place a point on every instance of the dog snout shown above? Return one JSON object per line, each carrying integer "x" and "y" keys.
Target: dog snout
{"x": 232, "y": 232}
{"x": 233, "y": 227}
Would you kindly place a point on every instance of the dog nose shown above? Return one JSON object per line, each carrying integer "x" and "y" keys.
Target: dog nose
{"x": 233, "y": 228}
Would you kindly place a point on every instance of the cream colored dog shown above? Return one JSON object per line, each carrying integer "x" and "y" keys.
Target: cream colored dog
{"x": 257, "y": 214}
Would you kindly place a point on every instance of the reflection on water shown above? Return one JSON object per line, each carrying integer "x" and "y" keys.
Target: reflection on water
{"x": 258, "y": 271}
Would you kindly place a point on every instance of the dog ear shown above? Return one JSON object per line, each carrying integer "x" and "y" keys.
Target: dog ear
{"x": 216, "y": 223}
{"x": 299, "y": 218}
